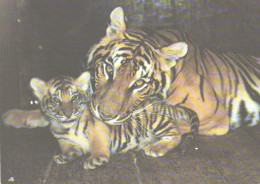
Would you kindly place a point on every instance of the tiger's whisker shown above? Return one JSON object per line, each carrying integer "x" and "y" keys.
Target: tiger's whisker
{"x": 141, "y": 135}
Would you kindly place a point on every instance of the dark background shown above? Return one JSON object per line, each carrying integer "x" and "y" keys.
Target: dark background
{"x": 46, "y": 38}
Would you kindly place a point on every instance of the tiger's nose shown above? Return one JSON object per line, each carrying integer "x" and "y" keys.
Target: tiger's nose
{"x": 67, "y": 110}
{"x": 67, "y": 113}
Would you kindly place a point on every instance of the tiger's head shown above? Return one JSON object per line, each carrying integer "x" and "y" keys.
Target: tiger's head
{"x": 129, "y": 68}
{"x": 62, "y": 99}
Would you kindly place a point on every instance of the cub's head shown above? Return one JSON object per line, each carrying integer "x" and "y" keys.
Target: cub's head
{"x": 62, "y": 99}
{"x": 129, "y": 68}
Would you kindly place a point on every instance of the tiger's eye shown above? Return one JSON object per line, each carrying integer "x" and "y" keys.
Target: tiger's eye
{"x": 139, "y": 83}
{"x": 74, "y": 98}
{"x": 55, "y": 100}
{"x": 109, "y": 69}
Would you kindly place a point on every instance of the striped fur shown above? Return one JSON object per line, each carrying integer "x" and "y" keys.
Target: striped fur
{"x": 63, "y": 101}
{"x": 155, "y": 128}
{"x": 130, "y": 65}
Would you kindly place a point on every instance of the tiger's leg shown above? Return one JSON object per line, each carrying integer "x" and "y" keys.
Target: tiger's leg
{"x": 168, "y": 141}
{"x": 69, "y": 152}
{"x": 188, "y": 127}
{"x": 99, "y": 156}
{"x": 186, "y": 141}
{"x": 99, "y": 144}
{"x": 67, "y": 156}
{"x": 18, "y": 118}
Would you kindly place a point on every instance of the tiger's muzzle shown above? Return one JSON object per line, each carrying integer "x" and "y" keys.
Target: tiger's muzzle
{"x": 116, "y": 120}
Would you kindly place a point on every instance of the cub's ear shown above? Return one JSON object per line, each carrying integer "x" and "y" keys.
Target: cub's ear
{"x": 39, "y": 87}
{"x": 84, "y": 82}
{"x": 170, "y": 54}
{"x": 117, "y": 25}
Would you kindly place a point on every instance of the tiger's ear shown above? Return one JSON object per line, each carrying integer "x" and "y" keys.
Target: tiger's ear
{"x": 84, "y": 82}
{"x": 171, "y": 53}
{"x": 39, "y": 87}
{"x": 117, "y": 25}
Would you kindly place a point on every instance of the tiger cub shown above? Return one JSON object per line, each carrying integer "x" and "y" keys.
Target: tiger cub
{"x": 62, "y": 101}
{"x": 155, "y": 127}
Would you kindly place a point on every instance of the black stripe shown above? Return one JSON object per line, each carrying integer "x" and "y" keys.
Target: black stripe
{"x": 252, "y": 93}
{"x": 98, "y": 49}
{"x": 230, "y": 106}
{"x": 174, "y": 34}
{"x": 216, "y": 65}
{"x": 242, "y": 111}
{"x": 164, "y": 38}
{"x": 195, "y": 125}
{"x": 146, "y": 58}
{"x": 163, "y": 79}
{"x": 185, "y": 99}
{"x": 126, "y": 134}
{"x": 215, "y": 94}
{"x": 228, "y": 69}
{"x": 77, "y": 127}
{"x": 166, "y": 130}
{"x": 201, "y": 87}
{"x": 130, "y": 128}
{"x": 162, "y": 123}
{"x": 137, "y": 36}
{"x": 247, "y": 64}
{"x": 196, "y": 61}
{"x": 233, "y": 70}
{"x": 202, "y": 60}
{"x": 242, "y": 68}
{"x": 146, "y": 121}
{"x": 85, "y": 126}
{"x": 173, "y": 74}
{"x": 119, "y": 136}
{"x": 124, "y": 145}
{"x": 115, "y": 136}
{"x": 152, "y": 118}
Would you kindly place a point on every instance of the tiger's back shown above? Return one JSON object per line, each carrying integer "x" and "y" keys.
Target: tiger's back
{"x": 224, "y": 88}
{"x": 220, "y": 86}
{"x": 155, "y": 121}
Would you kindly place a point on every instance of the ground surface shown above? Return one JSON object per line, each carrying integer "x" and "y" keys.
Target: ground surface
{"x": 234, "y": 158}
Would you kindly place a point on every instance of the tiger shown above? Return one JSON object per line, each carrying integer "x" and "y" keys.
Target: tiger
{"x": 62, "y": 101}
{"x": 156, "y": 128}
{"x": 131, "y": 64}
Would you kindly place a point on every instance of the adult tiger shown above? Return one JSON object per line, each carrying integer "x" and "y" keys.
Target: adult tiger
{"x": 130, "y": 65}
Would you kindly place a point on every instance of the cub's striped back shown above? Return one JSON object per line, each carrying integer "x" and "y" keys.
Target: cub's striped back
{"x": 156, "y": 128}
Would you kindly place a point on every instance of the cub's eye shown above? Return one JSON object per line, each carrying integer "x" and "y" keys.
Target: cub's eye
{"x": 139, "y": 83}
{"x": 74, "y": 98}
{"x": 109, "y": 69}
{"x": 55, "y": 100}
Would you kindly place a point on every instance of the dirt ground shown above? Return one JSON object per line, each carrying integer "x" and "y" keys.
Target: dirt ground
{"x": 234, "y": 158}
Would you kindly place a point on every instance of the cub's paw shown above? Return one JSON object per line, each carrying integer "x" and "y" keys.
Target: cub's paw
{"x": 186, "y": 144}
{"x": 154, "y": 151}
{"x": 61, "y": 159}
{"x": 185, "y": 148}
{"x": 94, "y": 162}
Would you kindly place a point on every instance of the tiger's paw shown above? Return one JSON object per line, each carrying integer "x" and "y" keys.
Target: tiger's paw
{"x": 186, "y": 144}
{"x": 61, "y": 159}
{"x": 94, "y": 162}
{"x": 185, "y": 148}
{"x": 154, "y": 151}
